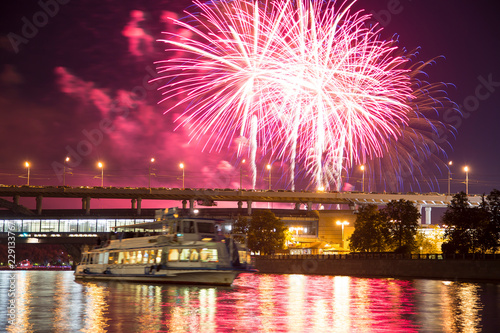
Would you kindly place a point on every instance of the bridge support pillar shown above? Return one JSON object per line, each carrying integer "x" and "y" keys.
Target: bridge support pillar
{"x": 428, "y": 217}
{"x": 249, "y": 207}
{"x": 419, "y": 208}
{"x": 240, "y": 205}
{"x": 309, "y": 205}
{"x": 191, "y": 206}
{"x": 86, "y": 205}
{"x": 133, "y": 203}
{"x": 297, "y": 205}
{"x": 39, "y": 204}
{"x": 139, "y": 206}
{"x": 184, "y": 204}
{"x": 16, "y": 200}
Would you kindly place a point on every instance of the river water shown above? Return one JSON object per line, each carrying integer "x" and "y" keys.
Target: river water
{"x": 54, "y": 302}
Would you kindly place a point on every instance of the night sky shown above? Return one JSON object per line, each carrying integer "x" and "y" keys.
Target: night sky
{"x": 66, "y": 89}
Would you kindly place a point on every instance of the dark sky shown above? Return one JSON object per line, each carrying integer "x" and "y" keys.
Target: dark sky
{"x": 66, "y": 87}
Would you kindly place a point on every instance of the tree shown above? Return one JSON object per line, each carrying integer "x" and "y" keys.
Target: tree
{"x": 467, "y": 227}
{"x": 403, "y": 219}
{"x": 371, "y": 233}
{"x": 265, "y": 232}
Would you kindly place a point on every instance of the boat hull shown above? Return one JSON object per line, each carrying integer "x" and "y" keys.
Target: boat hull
{"x": 205, "y": 277}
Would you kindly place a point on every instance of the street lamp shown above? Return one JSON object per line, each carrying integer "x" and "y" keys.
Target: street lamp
{"x": 101, "y": 166}
{"x": 450, "y": 163}
{"x": 344, "y": 223}
{"x": 150, "y": 164}
{"x": 27, "y": 165}
{"x": 66, "y": 160}
{"x": 466, "y": 169}
{"x": 363, "y": 179}
{"x": 241, "y": 176}
{"x": 269, "y": 168}
{"x": 182, "y": 167}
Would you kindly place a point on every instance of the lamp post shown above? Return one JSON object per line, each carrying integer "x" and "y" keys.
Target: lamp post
{"x": 344, "y": 223}
{"x": 150, "y": 164}
{"x": 182, "y": 167}
{"x": 466, "y": 169}
{"x": 27, "y": 165}
{"x": 363, "y": 179}
{"x": 101, "y": 166}
{"x": 450, "y": 163}
{"x": 66, "y": 160}
{"x": 269, "y": 168}
{"x": 241, "y": 176}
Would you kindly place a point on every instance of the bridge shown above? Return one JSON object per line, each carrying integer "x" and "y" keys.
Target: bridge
{"x": 210, "y": 197}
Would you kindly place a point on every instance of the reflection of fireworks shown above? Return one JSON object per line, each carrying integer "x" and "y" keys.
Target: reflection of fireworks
{"x": 309, "y": 83}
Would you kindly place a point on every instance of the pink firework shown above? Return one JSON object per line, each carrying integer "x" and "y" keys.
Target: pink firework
{"x": 307, "y": 82}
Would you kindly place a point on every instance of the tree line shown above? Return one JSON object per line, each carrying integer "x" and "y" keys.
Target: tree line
{"x": 468, "y": 229}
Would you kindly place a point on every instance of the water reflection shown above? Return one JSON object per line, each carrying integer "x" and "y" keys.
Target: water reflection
{"x": 54, "y": 302}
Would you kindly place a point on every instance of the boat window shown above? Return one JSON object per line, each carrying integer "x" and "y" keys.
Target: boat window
{"x": 112, "y": 259}
{"x": 133, "y": 257}
{"x": 121, "y": 257}
{"x": 126, "y": 257}
{"x": 184, "y": 255}
{"x": 152, "y": 256}
{"x": 188, "y": 227}
{"x": 194, "y": 256}
{"x": 138, "y": 259}
{"x": 208, "y": 255}
{"x": 205, "y": 227}
{"x": 173, "y": 255}
{"x": 158, "y": 256}
{"x": 145, "y": 257}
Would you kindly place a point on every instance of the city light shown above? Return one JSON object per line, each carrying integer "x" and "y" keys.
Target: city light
{"x": 101, "y": 166}
{"x": 363, "y": 179}
{"x": 450, "y": 163}
{"x": 241, "y": 174}
{"x": 66, "y": 160}
{"x": 27, "y": 165}
{"x": 466, "y": 169}
{"x": 182, "y": 167}
{"x": 150, "y": 164}
{"x": 342, "y": 223}
{"x": 269, "y": 168}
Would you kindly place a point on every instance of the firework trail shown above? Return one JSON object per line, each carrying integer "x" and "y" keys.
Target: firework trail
{"x": 307, "y": 82}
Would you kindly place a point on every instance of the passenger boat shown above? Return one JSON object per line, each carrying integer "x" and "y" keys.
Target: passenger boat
{"x": 185, "y": 250}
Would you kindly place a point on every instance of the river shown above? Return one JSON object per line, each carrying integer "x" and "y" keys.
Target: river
{"x": 41, "y": 301}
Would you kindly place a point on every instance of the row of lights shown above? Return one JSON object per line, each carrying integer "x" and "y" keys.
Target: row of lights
{"x": 100, "y": 165}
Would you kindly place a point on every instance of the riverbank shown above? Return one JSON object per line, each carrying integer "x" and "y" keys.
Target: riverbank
{"x": 407, "y": 267}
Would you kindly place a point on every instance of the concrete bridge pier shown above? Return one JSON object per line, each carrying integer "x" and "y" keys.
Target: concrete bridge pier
{"x": 249, "y": 207}
{"x": 191, "y": 206}
{"x": 15, "y": 199}
{"x": 297, "y": 205}
{"x": 240, "y": 204}
{"x": 139, "y": 206}
{"x": 133, "y": 201}
{"x": 309, "y": 205}
{"x": 184, "y": 204}
{"x": 428, "y": 216}
{"x": 39, "y": 204}
{"x": 419, "y": 208}
{"x": 86, "y": 205}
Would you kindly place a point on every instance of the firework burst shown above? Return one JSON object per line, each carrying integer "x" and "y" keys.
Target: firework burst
{"x": 307, "y": 82}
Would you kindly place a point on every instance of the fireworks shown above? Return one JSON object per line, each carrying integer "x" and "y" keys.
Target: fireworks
{"x": 307, "y": 82}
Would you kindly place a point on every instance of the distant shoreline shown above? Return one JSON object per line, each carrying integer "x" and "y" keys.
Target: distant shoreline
{"x": 485, "y": 270}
